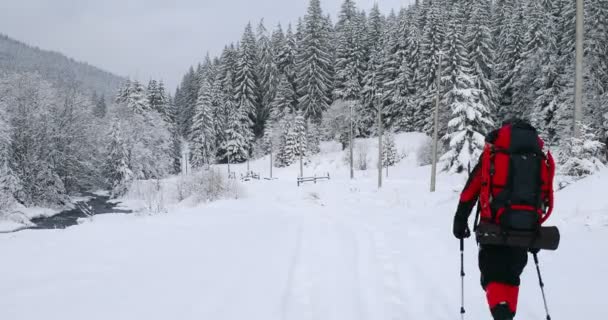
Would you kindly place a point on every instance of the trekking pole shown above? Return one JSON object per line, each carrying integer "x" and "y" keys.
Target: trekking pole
{"x": 542, "y": 285}
{"x": 462, "y": 311}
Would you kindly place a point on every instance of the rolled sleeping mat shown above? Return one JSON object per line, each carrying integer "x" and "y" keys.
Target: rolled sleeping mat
{"x": 546, "y": 238}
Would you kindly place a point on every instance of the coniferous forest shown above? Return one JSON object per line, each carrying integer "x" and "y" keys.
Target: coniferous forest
{"x": 499, "y": 60}
{"x": 285, "y": 88}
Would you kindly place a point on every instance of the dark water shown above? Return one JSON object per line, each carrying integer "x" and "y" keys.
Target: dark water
{"x": 97, "y": 205}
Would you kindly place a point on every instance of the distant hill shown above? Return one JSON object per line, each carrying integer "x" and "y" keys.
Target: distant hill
{"x": 56, "y": 68}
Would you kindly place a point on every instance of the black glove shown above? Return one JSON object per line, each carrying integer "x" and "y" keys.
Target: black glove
{"x": 461, "y": 228}
{"x": 534, "y": 250}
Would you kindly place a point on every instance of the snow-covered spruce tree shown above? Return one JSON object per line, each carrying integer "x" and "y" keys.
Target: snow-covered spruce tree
{"x": 390, "y": 155}
{"x": 247, "y": 92}
{"x": 285, "y": 149}
{"x": 123, "y": 92}
{"x": 580, "y": 157}
{"x": 596, "y": 65}
{"x": 286, "y": 59}
{"x": 203, "y": 135}
{"x": 100, "y": 108}
{"x": 285, "y": 100}
{"x": 470, "y": 119}
{"x": 299, "y": 133}
{"x": 237, "y": 139}
{"x": 534, "y": 56}
{"x": 268, "y": 138}
{"x": 157, "y": 98}
{"x": 511, "y": 44}
{"x": 350, "y": 54}
{"x": 313, "y": 64}
{"x": 268, "y": 73}
{"x": 370, "y": 91}
{"x": 137, "y": 99}
{"x": 117, "y": 169}
{"x": 407, "y": 78}
{"x": 430, "y": 47}
{"x": 176, "y": 139}
{"x": 185, "y": 101}
{"x": 481, "y": 53}
{"x": 313, "y": 138}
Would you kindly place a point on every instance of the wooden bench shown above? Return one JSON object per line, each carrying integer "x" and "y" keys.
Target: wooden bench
{"x": 314, "y": 179}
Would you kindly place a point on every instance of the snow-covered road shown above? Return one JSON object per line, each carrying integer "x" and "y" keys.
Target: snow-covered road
{"x": 337, "y": 250}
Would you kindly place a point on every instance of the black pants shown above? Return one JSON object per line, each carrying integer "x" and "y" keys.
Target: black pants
{"x": 501, "y": 264}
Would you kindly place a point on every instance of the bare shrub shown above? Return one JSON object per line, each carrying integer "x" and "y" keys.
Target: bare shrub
{"x": 206, "y": 186}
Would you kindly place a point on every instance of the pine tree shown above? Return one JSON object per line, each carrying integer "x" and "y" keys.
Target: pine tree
{"x": 268, "y": 72}
{"x": 100, "y": 108}
{"x": 373, "y": 71}
{"x": 481, "y": 53}
{"x": 285, "y": 100}
{"x": 157, "y": 98}
{"x": 287, "y": 141}
{"x": 118, "y": 173}
{"x": 286, "y": 60}
{"x": 137, "y": 100}
{"x": 525, "y": 78}
{"x": 186, "y": 100}
{"x": 237, "y": 142}
{"x": 510, "y": 42}
{"x": 267, "y": 140}
{"x": 176, "y": 139}
{"x": 247, "y": 92}
{"x": 203, "y": 133}
{"x": 314, "y": 64}
{"x": 596, "y": 65}
{"x": 430, "y": 47}
{"x": 350, "y": 54}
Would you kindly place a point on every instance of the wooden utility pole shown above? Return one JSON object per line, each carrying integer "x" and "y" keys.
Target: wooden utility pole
{"x": 301, "y": 161}
{"x": 380, "y": 133}
{"x": 436, "y": 127}
{"x": 352, "y": 170}
{"x": 271, "y": 161}
{"x": 578, "y": 85}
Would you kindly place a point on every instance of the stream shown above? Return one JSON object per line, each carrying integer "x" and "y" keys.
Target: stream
{"x": 83, "y": 209}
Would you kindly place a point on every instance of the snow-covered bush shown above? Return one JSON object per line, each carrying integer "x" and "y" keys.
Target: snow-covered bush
{"x": 152, "y": 193}
{"x": 361, "y": 157}
{"x": 424, "y": 154}
{"x": 207, "y": 185}
{"x": 580, "y": 157}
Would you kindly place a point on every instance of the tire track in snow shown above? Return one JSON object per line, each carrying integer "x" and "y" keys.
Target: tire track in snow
{"x": 297, "y": 301}
{"x": 390, "y": 277}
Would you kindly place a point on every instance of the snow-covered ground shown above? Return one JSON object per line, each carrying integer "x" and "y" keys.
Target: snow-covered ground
{"x": 337, "y": 249}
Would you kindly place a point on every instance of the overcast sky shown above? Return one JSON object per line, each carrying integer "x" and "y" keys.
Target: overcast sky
{"x": 146, "y": 39}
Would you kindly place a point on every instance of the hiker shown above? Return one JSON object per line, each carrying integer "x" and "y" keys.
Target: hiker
{"x": 513, "y": 182}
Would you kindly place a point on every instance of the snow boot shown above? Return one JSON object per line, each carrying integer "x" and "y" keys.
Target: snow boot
{"x": 502, "y": 312}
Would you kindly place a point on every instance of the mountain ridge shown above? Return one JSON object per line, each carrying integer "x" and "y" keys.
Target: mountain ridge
{"x": 55, "y": 67}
